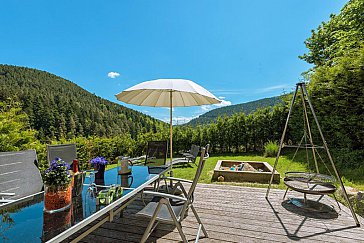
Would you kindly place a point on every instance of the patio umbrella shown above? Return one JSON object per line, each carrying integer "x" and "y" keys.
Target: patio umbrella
{"x": 167, "y": 93}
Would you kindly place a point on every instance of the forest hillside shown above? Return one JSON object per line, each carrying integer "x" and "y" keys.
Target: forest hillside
{"x": 58, "y": 108}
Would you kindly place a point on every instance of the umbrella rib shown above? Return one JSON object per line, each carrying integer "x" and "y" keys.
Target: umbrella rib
{"x": 140, "y": 95}
{"x": 183, "y": 100}
{"x": 194, "y": 99}
{"x": 159, "y": 97}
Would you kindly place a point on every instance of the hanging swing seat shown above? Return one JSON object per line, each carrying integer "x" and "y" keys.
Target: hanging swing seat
{"x": 310, "y": 183}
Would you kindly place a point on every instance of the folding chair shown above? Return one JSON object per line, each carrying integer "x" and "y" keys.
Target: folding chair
{"x": 170, "y": 208}
{"x": 19, "y": 175}
{"x": 156, "y": 156}
{"x": 66, "y": 152}
{"x": 192, "y": 155}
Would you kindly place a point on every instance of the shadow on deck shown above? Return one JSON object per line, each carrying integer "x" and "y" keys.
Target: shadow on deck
{"x": 241, "y": 214}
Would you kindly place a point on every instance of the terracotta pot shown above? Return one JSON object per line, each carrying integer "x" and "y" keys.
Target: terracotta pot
{"x": 57, "y": 200}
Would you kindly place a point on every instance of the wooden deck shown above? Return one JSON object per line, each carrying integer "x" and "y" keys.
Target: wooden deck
{"x": 240, "y": 214}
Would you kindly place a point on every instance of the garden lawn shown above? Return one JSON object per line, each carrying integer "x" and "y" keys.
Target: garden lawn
{"x": 285, "y": 164}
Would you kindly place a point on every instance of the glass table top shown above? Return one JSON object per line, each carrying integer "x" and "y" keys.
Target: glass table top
{"x": 27, "y": 222}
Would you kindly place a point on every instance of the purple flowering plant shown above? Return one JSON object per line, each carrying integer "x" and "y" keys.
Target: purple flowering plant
{"x": 57, "y": 176}
{"x": 98, "y": 161}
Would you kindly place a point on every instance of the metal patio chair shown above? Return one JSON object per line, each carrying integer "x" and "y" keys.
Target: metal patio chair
{"x": 19, "y": 175}
{"x": 66, "y": 152}
{"x": 188, "y": 157}
{"x": 170, "y": 208}
{"x": 192, "y": 155}
{"x": 156, "y": 156}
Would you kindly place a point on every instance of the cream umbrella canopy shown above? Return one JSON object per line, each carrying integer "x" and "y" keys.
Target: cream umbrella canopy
{"x": 168, "y": 93}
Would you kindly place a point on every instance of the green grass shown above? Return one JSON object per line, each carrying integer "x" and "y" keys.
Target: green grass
{"x": 351, "y": 177}
{"x": 285, "y": 164}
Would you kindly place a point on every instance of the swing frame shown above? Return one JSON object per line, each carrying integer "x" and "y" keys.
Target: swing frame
{"x": 304, "y": 94}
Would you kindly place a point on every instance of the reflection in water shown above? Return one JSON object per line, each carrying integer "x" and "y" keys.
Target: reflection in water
{"x": 55, "y": 223}
{"x": 89, "y": 204}
{"x": 125, "y": 180}
{"x": 100, "y": 182}
{"x": 25, "y": 220}
{"x": 6, "y": 223}
{"x": 77, "y": 209}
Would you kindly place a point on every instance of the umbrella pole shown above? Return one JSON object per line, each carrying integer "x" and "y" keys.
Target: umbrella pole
{"x": 170, "y": 132}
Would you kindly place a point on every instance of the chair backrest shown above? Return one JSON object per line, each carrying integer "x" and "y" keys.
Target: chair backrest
{"x": 66, "y": 152}
{"x": 156, "y": 153}
{"x": 194, "y": 151}
{"x": 201, "y": 164}
{"x": 19, "y": 174}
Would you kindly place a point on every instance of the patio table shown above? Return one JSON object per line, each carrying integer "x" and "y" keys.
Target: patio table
{"x": 25, "y": 220}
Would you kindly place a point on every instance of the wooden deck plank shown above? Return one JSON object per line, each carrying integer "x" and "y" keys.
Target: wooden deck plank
{"x": 238, "y": 214}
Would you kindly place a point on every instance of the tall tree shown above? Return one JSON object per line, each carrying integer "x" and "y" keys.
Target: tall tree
{"x": 341, "y": 34}
{"x": 15, "y": 132}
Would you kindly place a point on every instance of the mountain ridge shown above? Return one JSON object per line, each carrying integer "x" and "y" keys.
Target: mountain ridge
{"x": 246, "y": 107}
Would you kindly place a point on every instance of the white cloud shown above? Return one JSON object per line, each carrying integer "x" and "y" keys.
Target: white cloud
{"x": 222, "y": 104}
{"x": 206, "y": 107}
{"x": 221, "y": 97}
{"x": 113, "y": 74}
{"x": 229, "y": 92}
{"x": 251, "y": 91}
{"x": 274, "y": 88}
{"x": 179, "y": 120}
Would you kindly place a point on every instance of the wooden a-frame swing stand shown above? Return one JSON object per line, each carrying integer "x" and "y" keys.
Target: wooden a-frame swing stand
{"x": 305, "y": 97}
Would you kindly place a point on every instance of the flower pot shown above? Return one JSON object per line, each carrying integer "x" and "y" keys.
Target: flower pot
{"x": 58, "y": 199}
{"x": 100, "y": 171}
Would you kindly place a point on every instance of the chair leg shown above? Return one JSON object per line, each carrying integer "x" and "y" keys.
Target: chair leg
{"x": 180, "y": 185}
{"x": 337, "y": 202}
{"x": 199, "y": 221}
{"x": 284, "y": 196}
{"x": 176, "y": 222}
{"x": 150, "y": 228}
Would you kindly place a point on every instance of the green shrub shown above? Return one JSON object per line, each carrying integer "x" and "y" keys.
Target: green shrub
{"x": 271, "y": 149}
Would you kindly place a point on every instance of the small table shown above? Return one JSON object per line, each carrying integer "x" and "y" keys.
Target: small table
{"x": 25, "y": 219}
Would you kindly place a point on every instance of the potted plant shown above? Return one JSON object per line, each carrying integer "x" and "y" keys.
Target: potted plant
{"x": 58, "y": 190}
{"x": 99, "y": 164}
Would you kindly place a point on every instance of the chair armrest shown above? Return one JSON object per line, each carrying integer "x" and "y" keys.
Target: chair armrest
{"x": 177, "y": 179}
{"x": 159, "y": 194}
{"x": 7, "y": 194}
{"x": 6, "y": 201}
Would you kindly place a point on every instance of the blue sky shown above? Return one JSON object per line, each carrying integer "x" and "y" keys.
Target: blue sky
{"x": 239, "y": 50}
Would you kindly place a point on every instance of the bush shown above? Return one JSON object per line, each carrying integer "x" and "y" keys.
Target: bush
{"x": 271, "y": 149}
